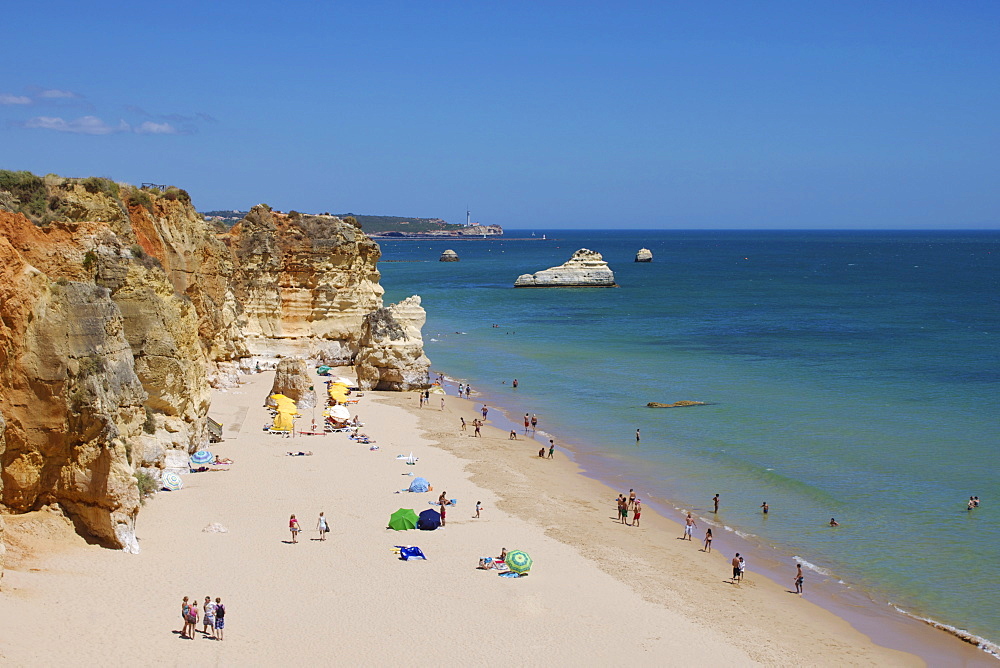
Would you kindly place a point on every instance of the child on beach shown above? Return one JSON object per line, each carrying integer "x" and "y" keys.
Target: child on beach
{"x": 322, "y": 526}
{"x": 293, "y": 526}
{"x": 479, "y": 506}
{"x": 220, "y": 618}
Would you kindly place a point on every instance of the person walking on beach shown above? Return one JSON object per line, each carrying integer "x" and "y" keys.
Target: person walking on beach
{"x": 460, "y": 390}
{"x": 689, "y": 525}
{"x": 208, "y": 621}
{"x": 534, "y": 422}
{"x": 485, "y": 411}
{"x": 293, "y": 526}
{"x": 527, "y": 422}
{"x": 708, "y": 541}
{"x": 799, "y": 579}
{"x": 468, "y": 388}
{"x": 421, "y": 400}
{"x": 477, "y": 423}
{"x": 715, "y": 500}
{"x": 736, "y": 568}
{"x": 621, "y": 508}
{"x": 463, "y": 423}
{"x": 322, "y": 526}
{"x": 636, "y": 512}
{"x": 743, "y": 568}
{"x": 220, "y": 618}
{"x": 552, "y": 448}
{"x": 479, "y": 506}
{"x": 765, "y": 507}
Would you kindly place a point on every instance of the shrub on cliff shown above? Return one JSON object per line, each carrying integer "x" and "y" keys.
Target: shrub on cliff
{"x": 94, "y": 185}
{"x": 28, "y": 189}
{"x": 139, "y": 198}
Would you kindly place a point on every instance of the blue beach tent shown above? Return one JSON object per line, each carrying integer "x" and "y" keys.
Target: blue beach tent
{"x": 419, "y": 485}
{"x": 429, "y": 520}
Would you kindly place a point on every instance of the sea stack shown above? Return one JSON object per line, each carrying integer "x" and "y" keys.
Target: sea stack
{"x": 644, "y": 255}
{"x": 586, "y": 269}
{"x": 448, "y": 256}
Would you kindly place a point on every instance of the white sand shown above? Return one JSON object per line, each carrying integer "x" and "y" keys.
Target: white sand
{"x": 599, "y": 593}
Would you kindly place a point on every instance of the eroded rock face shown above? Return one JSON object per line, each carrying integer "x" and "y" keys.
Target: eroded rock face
{"x": 292, "y": 380}
{"x": 3, "y": 546}
{"x": 305, "y": 283}
{"x": 644, "y": 255}
{"x": 392, "y": 348}
{"x": 586, "y": 269}
{"x": 71, "y": 399}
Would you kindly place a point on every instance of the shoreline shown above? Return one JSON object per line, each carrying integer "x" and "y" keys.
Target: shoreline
{"x": 882, "y": 621}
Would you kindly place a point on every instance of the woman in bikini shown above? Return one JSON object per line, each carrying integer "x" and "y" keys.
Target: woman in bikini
{"x": 708, "y": 540}
{"x": 293, "y": 526}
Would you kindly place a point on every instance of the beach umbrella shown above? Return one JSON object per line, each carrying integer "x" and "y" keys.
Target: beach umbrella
{"x": 171, "y": 481}
{"x": 518, "y": 561}
{"x": 202, "y": 457}
{"x": 339, "y": 412}
{"x": 403, "y": 519}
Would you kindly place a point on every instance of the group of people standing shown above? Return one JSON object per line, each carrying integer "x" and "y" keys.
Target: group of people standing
{"x": 625, "y": 505}
{"x": 214, "y": 620}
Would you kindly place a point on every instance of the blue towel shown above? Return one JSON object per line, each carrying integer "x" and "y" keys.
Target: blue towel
{"x": 508, "y": 574}
{"x": 407, "y": 553}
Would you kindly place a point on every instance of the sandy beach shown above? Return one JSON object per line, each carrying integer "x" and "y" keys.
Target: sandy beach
{"x": 598, "y": 593}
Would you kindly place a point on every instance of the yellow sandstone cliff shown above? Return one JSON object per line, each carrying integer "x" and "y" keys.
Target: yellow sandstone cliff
{"x": 119, "y": 307}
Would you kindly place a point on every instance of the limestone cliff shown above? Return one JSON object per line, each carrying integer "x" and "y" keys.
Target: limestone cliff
{"x": 119, "y": 307}
{"x": 305, "y": 283}
{"x": 586, "y": 269}
{"x": 392, "y": 353}
{"x": 3, "y": 546}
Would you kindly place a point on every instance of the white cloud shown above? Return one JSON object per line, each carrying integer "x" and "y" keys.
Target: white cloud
{"x": 14, "y": 99}
{"x": 85, "y": 125}
{"x": 55, "y": 94}
{"x": 151, "y": 128}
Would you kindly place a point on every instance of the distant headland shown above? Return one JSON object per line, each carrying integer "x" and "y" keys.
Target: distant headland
{"x": 387, "y": 226}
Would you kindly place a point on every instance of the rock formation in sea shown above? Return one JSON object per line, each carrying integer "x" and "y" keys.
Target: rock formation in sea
{"x": 392, "y": 352}
{"x": 644, "y": 255}
{"x": 292, "y": 379}
{"x": 449, "y": 256}
{"x": 120, "y": 307}
{"x": 586, "y": 269}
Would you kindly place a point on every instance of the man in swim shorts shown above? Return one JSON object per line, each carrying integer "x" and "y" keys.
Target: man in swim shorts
{"x": 636, "y": 512}
{"x": 689, "y": 525}
{"x": 736, "y": 567}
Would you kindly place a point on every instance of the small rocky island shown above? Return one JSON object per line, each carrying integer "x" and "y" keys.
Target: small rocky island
{"x": 448, "y": 256}
{"x": 644, "y": 255}
{"x": 586, "y": 269}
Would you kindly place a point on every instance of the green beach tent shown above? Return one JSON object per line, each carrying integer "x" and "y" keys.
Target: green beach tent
{"x": 403, "y": 519}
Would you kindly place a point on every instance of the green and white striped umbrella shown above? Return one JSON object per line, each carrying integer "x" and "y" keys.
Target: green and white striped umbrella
{"x": 518, "y": 561}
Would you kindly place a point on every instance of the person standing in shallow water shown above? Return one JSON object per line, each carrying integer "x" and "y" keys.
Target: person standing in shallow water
{"x": 799, "y": 579}
{"x": 527, "y": 422}
{"x": 534, "y": 422}
{"x": 636, "y": 435}
{"x": 552, "y": 448}
{"x": 715, "y": 500}
{"x": 765, "y": 507}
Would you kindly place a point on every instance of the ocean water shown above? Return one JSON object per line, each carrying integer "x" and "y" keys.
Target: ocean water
{"x": 849, "y": 374}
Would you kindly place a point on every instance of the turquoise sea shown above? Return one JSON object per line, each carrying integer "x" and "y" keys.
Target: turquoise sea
{"x": 850, "y": 374}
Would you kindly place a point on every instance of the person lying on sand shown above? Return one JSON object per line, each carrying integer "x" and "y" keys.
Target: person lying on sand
{"x": 299, "y": 454}
{"x": 220, "y": 460}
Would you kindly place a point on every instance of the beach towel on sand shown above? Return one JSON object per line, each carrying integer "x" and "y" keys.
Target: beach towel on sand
{"x": 407, "y": 553}
{"x": 451, "y": 502}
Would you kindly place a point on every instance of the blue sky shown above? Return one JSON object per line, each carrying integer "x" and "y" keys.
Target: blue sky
{"x": 539, "y": 114}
